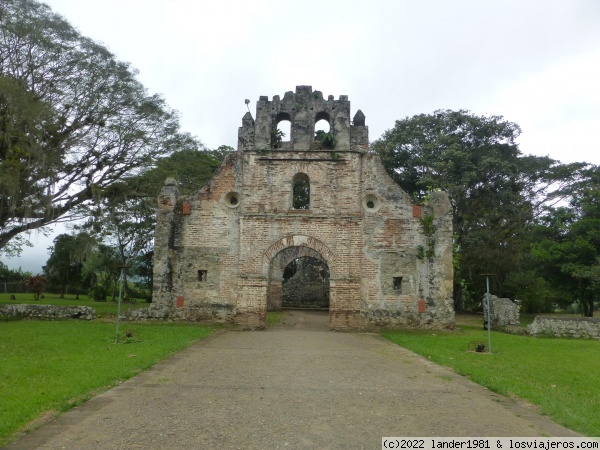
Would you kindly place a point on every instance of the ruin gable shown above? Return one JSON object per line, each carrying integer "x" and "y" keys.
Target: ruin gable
{"x": 220, "y": 254}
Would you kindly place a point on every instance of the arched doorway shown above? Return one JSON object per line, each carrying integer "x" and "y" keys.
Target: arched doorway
{"x": 305, "y": 284}
{"x": 298, "y": 278}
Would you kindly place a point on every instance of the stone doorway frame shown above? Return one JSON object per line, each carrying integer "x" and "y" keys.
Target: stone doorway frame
{"x": 284, "y": 251}
{"x": 278, "y": 266}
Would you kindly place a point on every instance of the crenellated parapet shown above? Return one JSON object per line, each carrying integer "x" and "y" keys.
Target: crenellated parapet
{"x": 303, "y": 109}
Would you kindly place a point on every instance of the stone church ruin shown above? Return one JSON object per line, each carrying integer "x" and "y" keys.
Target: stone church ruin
{"x": 241, "y": 245}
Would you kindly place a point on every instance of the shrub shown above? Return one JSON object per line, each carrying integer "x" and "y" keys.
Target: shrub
{"x": 37, "y": 284}
{"x": 98, "y": 293}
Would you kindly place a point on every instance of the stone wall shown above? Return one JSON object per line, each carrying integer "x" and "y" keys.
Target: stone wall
{"x": 565, "y": 326}
{"x": 504, "y": 311}
{"x": 220, "y": 253}
{"x": 24, "y": 311}
{"x": 211, "y": 313}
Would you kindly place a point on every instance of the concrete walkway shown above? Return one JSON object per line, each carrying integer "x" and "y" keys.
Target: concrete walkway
{"x": 295, "y": 386}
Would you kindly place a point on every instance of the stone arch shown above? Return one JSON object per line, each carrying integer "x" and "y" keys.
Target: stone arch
{"x": 297, "y": 240}
{"x": 324, "y": 116}
{"x": 287, "y": 128}
{"x": 277, "y": 266}
{"x": 282, "y": 252}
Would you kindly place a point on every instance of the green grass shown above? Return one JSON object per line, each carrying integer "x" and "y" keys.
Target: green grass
{"x": 51, "y": 366}
{"x": 560, "y": 376}
{"x": 275, "y": 318}
{"x": 103, "y": 309}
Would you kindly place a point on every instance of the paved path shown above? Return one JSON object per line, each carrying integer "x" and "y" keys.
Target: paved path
{"x": 296, "y": 386}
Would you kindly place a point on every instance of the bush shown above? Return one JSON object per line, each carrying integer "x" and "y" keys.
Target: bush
{"x": 135, "y": 292}
{"x": 98, "y": 293}
{"x": 36, "y": 284}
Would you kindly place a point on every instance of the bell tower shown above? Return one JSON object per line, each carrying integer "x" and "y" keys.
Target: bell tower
{"x": 303, "y": 109}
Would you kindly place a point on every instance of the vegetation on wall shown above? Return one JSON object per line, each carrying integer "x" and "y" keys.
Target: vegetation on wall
{"x": 428, "y": 231}
{"x": 327, "y": 139}
{"x": 277, "y": 138}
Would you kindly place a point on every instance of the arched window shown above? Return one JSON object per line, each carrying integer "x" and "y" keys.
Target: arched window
{"x": 283, "y": 130}
{"x": 323, "y": 132}
{"x": 322, "y": 122}
{"x": 301, "y": 191}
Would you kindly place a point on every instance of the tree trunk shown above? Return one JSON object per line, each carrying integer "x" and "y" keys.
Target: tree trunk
{"x": 459, "y": 301}
{"x": 588, "y": 308}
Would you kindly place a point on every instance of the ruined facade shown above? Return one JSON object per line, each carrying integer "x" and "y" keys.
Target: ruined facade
{"x": 220, "y": 254}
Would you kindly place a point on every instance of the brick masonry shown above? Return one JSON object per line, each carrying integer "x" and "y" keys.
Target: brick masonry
{"x": 220, "y": 253}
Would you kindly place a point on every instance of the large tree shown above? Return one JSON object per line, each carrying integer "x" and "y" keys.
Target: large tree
{"x": 73, "y": 120}
{"x": 67, "y": 256}
{"x": 566, "y": 250}
{"x": 495, "y": 190}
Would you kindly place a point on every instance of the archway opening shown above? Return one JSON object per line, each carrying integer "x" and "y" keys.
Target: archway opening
{"x": 305, "y": 284}
{"x": 298, "y": 278}
{"x": 284, "y": 130}
{"x": 322, "y": 125}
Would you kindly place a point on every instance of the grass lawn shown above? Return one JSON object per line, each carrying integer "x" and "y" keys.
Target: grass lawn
{"x": 560, "y": 376}
{"x": 103, "y": 309}
{"x": 275, "y": 318}
{"x": 52, "y": 366}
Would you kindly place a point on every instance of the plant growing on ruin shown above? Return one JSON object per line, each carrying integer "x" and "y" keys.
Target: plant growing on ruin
{"x": 427, "y": 223}
{"x": 277, "y": 138}
{"x": 428, "y": 230}
{"x": 327, "y": 139}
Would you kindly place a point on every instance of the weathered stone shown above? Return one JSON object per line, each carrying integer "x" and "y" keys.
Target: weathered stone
{"x": 565, "y": 326}
{"x": 504, "y": 312}
{"x": 27, "y": 311}
{"x": 223, "y": 260}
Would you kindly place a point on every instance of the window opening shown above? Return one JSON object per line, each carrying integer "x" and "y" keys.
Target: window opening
{"x": 202, "y": 275}
{"x": 322, "y": 125}
{"x": 323, "y": 132}
{"x": 284, "y": 130}
{"x": 301, "y": 191}
{"x": 398, "y": 284}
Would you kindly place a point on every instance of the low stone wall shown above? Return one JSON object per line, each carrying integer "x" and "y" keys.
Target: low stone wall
{"x": 210, "y": 313}
{"x": 564, "y": 326}
{"x": 23, "y": 311}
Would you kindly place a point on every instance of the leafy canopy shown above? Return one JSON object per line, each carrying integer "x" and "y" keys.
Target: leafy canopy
{"x": 495, "y": 190}
{"x": 73, "y": 120}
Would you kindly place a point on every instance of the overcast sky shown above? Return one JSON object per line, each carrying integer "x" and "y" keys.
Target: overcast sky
{"x": 535, "y": 62}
